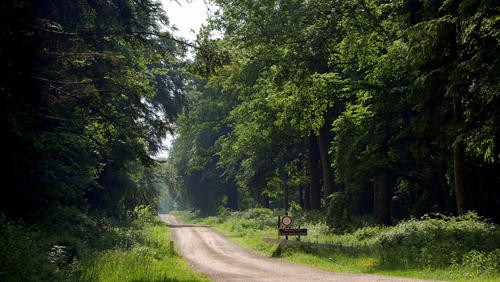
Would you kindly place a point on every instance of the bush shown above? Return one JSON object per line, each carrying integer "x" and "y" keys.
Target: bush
{"x": 144, "y": 215}
{"x": 22, "y": 255}
{"x": 338, "y": 213}
{"x": 476, "y": 264}
{"x": 437, "y": 241}
{"x": 60, "y": 253}
{"x": 367, "y": 233}
{"x": 257, "y": 213}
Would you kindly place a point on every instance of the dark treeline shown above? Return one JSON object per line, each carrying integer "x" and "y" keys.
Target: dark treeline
{"x": 88, "y": 89}
{"x": 390, "y": 108}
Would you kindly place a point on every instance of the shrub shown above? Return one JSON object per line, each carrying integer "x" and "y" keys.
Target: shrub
{"x": 22, "y": 255}
{"x": 144, "y": 215}
{"x": 338, "y": 212}
{"x": 257, "y": 213}
{"x": 476, "y": 264}
{"x": 437, "y": 241}
{"x": 367, "y": 233}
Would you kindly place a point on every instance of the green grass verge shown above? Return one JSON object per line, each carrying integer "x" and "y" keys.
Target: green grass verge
{"x": 395, "y": 251}
{"x": 149, "y": 259}
{"x": 133, "y": 248}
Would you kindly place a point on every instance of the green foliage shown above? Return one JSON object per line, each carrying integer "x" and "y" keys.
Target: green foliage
{"x": 194, "y": 156}
{"x": 144, "y": 214}
{"x": 92, "y": 89}
{"x": 396, "y": 82}
{"x": 338, "y": 212}
{"x": 437, "y": 241}
{"x": 477, "y": 264}
{"x": 24, "y": 257}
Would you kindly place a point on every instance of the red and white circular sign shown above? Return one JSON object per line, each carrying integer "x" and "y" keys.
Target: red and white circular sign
{"x": 287, "y": 221}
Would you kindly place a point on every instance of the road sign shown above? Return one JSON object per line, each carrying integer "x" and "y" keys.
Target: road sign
{"x": 293, "y": 231}
{"x": 287, "y": 220}
{"x": 278, "y": 212}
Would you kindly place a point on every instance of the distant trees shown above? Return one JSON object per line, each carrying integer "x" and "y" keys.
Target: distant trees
{"x": 394, "y": 104}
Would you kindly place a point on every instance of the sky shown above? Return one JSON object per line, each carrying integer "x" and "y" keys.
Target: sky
{"x": 187, "y": 17}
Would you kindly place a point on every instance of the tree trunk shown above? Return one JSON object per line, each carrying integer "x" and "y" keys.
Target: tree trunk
{"x": 314, "y": 172}
{"x": 301, "y": 197}
{"x": 382, "y": 198}
{"x": 325, "y": 161}
{"x": 496, "y": 142}
{"x": 458, "y": 170}
{"x": 285, "y": 198}
{"x": 232, "y": 196}
{"x": 459, "y": 157}
{"x": 284, "y": 179}
{"x": 307, "y": 197}
{"x": 263, "y": 200}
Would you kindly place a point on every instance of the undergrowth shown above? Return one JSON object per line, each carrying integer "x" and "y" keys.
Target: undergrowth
{"x": 135, "y": 248}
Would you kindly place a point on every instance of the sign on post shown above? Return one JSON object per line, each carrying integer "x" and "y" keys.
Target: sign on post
{"x": 286, "y": 221}
{"x": 278, "y": 212}
{"x": 293, "y": 231}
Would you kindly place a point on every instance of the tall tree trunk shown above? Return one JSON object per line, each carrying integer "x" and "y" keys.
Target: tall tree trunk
{"x": 325, "y": 161}
{"x": 382, "y": 198}
{"x": 496, "y": 142}
{"x": 232, "y": 196}
{"x": 460, "y": 90}
{"x": 284, "y": 179}
{"x": 263, "y": 199}
{"x": 314, "y": 172}
{"x": 307, "y": 197}
{"x": 458, "y": 170}
{"x": 459, "y": 159}
{"x": 285, "y": 195}
{"x": 301, "y": 196}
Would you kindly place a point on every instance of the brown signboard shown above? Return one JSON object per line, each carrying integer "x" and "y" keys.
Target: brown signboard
{"x": 293, "y": 231}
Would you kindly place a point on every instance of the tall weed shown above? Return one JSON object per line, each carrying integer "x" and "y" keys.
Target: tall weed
{"x": 436, "y": 241}
{"x": 476, "y": 264}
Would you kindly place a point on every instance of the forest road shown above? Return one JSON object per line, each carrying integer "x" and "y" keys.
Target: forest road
{"x": 212, "y": 254}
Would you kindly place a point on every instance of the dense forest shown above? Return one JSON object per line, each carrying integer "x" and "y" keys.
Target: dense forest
{"x": 88, "y": 91}
{"x": 387, "y": 108}
{"x": 390, "y": 108}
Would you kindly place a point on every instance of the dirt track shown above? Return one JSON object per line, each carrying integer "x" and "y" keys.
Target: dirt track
{"x": 212, "y": 254}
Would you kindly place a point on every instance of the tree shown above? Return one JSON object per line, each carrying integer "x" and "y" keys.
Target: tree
{"x": 91, "y": 90}
{"x": 458, "y": 70}
{"x": 388, "y": 92}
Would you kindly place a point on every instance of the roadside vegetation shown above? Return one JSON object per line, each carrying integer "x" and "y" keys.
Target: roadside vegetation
{"x": 431, "y": 247}
{"x": 134, "y": 249}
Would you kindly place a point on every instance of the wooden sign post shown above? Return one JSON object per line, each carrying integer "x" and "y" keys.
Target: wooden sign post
{"x": 287, "y": 221}
{"x": 293, "y": 231}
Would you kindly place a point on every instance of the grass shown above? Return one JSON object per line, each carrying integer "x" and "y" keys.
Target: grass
{"x": 351, "y": 262}
{"x": 149, "y": 259}
{"x": 462, "y": 249}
